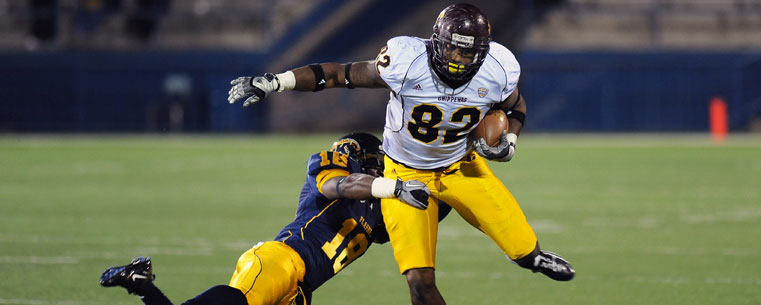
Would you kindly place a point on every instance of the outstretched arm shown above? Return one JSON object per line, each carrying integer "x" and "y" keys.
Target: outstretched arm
{"x": 313, "y": 77}
{"x": 354, "y": 186}
{"x": 361, "y": 74}
{"x": 363, "y": 186}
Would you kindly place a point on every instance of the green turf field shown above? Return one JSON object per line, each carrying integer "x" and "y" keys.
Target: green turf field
{"x": 644, "y": 219}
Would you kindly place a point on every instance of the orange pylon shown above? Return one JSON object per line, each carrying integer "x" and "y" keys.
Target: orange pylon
{"x": 717, "y": 112}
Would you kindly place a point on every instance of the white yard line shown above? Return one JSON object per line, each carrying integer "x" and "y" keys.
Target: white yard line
{"x": 38, "y": 260}
{"x": 581, "y": 140}
{"x": 59, "y": 302}
{"x": 513, "y": 273}
{"x": 735, "y": 215}
{"x": 142, "y": 242}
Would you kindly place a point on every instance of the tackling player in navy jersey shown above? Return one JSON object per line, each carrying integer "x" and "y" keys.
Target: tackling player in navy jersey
{"x": 338, "y": 218}
{"x": 440, "y": 88}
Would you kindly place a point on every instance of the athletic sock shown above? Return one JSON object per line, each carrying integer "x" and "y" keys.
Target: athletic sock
{"x": 218, "y": 295}
{"x": 152, "y": 295}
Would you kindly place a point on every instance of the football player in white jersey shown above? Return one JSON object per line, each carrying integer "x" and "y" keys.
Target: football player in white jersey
{"x": 440, "y": 89}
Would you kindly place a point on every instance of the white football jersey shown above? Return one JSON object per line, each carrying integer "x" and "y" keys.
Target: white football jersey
{"x": 427, "y": 123}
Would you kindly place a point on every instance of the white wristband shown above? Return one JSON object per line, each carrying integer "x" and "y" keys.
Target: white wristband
{"x": 511, "y": 137}
{"x": 383, "y": 188}
{"x": 287, "y": 81}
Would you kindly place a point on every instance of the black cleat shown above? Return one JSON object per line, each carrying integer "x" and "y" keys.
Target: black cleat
{"x": 553, "y": 266}
{"x": 131, "y": 277}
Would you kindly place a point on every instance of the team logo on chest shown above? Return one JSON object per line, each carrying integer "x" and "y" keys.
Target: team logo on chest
{"x": 482, "y": 92}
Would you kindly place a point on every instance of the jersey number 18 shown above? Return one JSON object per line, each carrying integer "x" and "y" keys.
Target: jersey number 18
{"x": 354, "y": 249}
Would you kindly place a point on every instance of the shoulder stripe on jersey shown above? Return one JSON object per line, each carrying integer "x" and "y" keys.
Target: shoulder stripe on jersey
{"x": 404, "y": 80}
{"x": 289, "y": 236}
{"x": 504, "y": 73}
{"x": 315, "y": 216}
{"x": 328, "y": 174}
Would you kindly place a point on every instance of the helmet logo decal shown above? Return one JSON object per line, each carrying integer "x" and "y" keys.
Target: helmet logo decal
{"x": 482, "y": 92}
{"x": 346, "y": 146}
{"x": 462, "y": 40}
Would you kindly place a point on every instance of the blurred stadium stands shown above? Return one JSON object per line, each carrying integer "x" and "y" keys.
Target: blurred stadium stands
{"x": 164, "y": 66}
{"x": 152, "y": 24}
{"x": 646, "y": 25}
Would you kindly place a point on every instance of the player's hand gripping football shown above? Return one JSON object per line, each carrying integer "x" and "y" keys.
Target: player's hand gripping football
{"x": 503, "y": 152}
{"x": 412, "y": 192}
{"x": 254, "y": 88}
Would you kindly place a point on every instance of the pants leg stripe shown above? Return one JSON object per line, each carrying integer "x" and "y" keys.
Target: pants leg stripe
{"x": 259, "y": 259}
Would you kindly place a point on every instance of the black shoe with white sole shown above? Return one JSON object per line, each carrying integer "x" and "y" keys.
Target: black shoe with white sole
{"x": 553, "y": 266}
{"x": 131, "y": 277}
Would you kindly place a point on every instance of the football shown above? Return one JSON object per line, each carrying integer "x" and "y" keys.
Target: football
{"x": 490, "y": 128}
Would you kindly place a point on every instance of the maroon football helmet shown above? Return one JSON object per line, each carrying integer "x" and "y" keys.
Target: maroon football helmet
{"x": 459, "y": 43}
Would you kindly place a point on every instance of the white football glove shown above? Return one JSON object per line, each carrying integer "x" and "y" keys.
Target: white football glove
{"x": 255, "y": 88}
{"x": 503, "y": 152}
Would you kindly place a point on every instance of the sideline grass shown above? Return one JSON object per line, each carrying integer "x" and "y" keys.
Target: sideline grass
{"x": 644, "y": 219}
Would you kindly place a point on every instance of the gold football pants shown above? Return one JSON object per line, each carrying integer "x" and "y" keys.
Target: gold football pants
{"x": 269, "y": 273}
{"x": 468, "y": 186}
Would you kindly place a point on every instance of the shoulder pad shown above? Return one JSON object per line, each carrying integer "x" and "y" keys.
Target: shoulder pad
{"x": 408, "y": 43}
{"x": 331, "y": 160}
{"x": 395, "y": 58}
{"x": 509, "y": 64}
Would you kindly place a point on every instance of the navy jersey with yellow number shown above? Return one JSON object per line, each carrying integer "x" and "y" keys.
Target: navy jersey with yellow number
{"x": 330, "y": 234}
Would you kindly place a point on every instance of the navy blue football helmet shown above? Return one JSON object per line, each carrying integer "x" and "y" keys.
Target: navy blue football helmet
{"x": 364, "y": 148}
